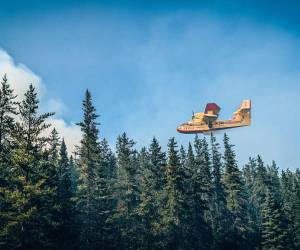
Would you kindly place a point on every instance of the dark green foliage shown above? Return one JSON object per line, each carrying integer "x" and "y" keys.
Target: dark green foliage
{"x": 274, "y": 233}
{"x": 174, "y": 219}
{"x": 127, "y": 193}
{"x": 8, "y": 108}
{"x": 28, "y": 214}
{"x": 92, "y": 195}
{"x": 191, "y": 198}
{"x": 220, "y": 213}
{"x": 66, "y": 231}
{"x": 236, "y": 199}
{"x": 152, "y": 165}
{"x": 296, "y": 210}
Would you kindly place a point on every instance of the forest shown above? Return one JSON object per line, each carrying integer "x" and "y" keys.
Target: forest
{"x": 101, "y": 198}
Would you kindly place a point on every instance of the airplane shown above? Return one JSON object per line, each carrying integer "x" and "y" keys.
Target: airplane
{"x": 207, "y": 121}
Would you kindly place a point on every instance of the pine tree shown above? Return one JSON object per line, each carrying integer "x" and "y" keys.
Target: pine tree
{"x": 249, "y": 174}
{"x": 200, "y": 233}
{"x": 54, "y": 144}
{"x": 172, "y": 214}
{"x": 147, "y": 207}
{"x": 219, "y": 210}
{"x": 289, "y": 195}
{"x": 260, "y": 185}
{"x": 152, "y": 164}
{"x": 153, "y": 181}
{"x": 296, "y": 210}
{"x": 66, "y": 237}
{"x": 108, "y": 161}
{"x": 127, "y": 193}
{"x": 236, "y": 198}
{"x": 158, "y": 164}
{"x": 274, "y": 233}
{"x": 105, "y": 179}
{"x": 91, "y": 184}
{"x": 8, "y": 109}
{"x": 74, "y": 174}
{"x": 203, "y": 171}
{"x": 29, "y": 216}
{"x": 176, "y": 208}
{"x": 274, "y": 182}
{"x": 182, "y": 156}
{"x": 202, "y": 182}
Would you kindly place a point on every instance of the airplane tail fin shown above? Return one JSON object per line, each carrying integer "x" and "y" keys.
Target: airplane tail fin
{"x": 243, "y": 113}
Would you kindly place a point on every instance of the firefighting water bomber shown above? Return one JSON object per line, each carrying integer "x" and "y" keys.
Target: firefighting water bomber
{"x": 207, "y": 121}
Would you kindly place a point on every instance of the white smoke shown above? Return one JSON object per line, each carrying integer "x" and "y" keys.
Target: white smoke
{"x": 19, "y": 77}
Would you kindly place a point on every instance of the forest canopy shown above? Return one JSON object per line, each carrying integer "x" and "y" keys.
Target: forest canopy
{"x": 185, "y": 198}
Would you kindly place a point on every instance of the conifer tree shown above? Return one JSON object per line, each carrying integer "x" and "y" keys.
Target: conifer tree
{"x": 127, "y": 193}
{"x": 74, "y": 174}
{"x": 158, "y": 164}
{"x": 249, "y": 174}
{"x": 52, "y": 170}
{"x": 54, "y": 144}
{"x": 91, "y": 187}
{"x": 274, "y": 182}
{"x": 236, "y": 198}
{"x": 107, "y": 177}
{"x": 219, "y": 210}
{"x": 296, "y": 210}
{"x": 274, "y": 233}
{"x": 289, "y": 193}
{"x": 108, "y": 161}
{"x": 174, "y": 191}
{"x": 29, "y": 217}
{"x": 202, "y": 176}
{"x": 8, "y": 109}
{"x": 260, "y": 185}
{"x": 182, "y": 156}
{"x": 147, "y": 209}
{"x": 190, "y": 168}
{"x": 66, "y": 236}
{"x": 153, "y": 163}
{"x": 176, "y": 208}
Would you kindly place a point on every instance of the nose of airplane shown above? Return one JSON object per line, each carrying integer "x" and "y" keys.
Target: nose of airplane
{"x": 179, "y": 129}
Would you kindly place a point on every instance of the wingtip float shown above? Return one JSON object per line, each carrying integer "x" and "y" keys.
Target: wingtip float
{"x": 207, "y": 121}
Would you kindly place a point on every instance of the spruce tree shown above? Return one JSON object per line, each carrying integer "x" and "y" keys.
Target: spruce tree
{"x": 202, "y": 180}
{"x": 66, "y": 233}
{"x": 182, "y": 156}
{"x": 289, "y": 194}
{"x": 236, "y": 198}
{"x": 29, "y": 216}
{"x": 249, "y": 174}
{"x": 157, "y": 160}
{"x": 274, "y": 233}
{"x": 175, "y": 214}
{"x": 153, "y": 164}
{"x": 127, "y": 193}
{"x": 219, "y": 210}
{"x": 147, "y": 209}
{"x": 8, "y": 109}
{"x": 296, "y": 210}
{"x": 91, "y": 184}
{"x": 260, "y": 185}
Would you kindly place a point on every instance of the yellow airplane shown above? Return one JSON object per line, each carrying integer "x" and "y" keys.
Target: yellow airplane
{"x": 207, "y": 121}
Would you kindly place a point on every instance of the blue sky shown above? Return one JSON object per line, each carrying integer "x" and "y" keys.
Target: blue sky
{"x": 150, "y": 64}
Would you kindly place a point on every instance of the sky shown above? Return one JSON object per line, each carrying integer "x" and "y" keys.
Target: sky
{"x": 150, "y": 64}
